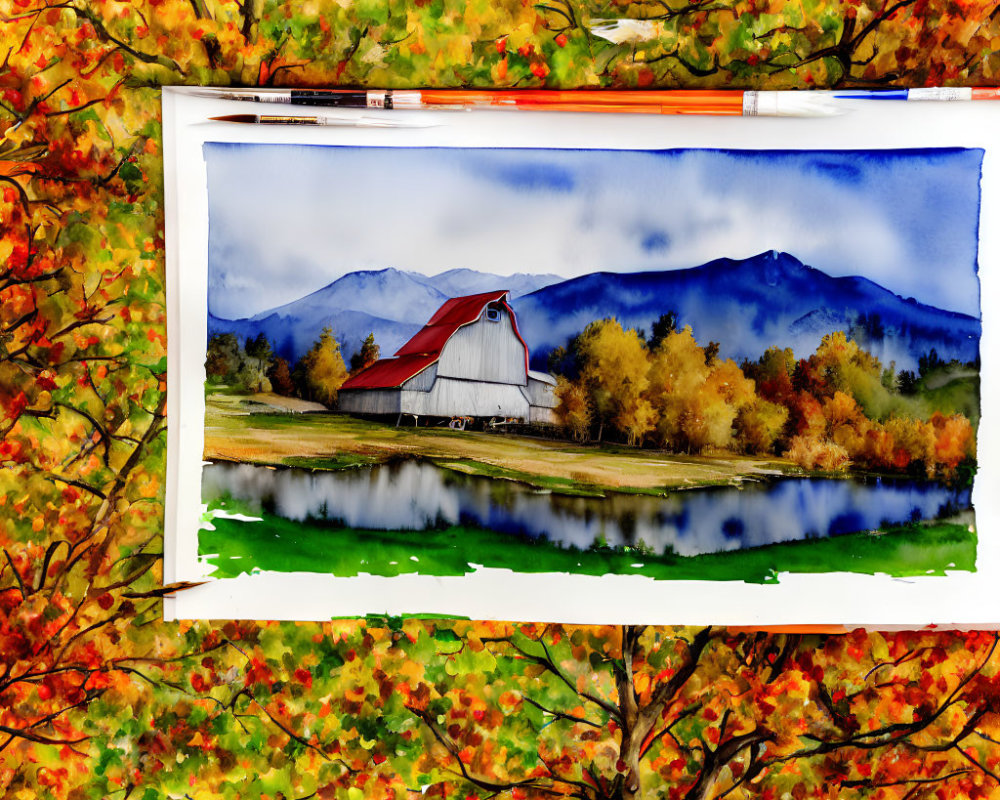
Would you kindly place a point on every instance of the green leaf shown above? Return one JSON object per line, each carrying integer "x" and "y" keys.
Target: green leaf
{"x": 468, "y": 661}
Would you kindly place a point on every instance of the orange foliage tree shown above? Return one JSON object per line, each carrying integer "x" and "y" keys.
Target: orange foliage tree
{"x": 610, "y": 713}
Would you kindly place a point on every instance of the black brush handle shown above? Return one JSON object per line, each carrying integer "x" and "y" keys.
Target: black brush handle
{"x": 311, "y": 97}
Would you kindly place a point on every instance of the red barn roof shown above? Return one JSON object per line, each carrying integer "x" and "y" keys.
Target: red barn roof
{"x": 449, "y": 318}
{"x": 389, "y": 372}
{"x": 425, "y": 347}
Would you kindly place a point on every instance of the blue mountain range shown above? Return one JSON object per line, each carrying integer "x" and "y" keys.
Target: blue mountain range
{"x": 391, "y": 303}
{"x": 745, "y": 305}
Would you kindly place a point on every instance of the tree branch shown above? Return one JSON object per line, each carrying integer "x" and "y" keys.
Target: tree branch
{"x": 481, "y": 783}
{"x": 561, "y": 715}
{"x": 550, "y": 666}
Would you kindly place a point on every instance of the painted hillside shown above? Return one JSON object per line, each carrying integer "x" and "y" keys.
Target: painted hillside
{"x": 392, "y": 303}
{"x": 750, "y": 305}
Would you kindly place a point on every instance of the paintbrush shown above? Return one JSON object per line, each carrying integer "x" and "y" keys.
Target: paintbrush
{"x": 345, "y": 122}
{"x": 689, "y": 101}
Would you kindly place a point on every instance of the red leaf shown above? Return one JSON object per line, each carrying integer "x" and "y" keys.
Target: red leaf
{"x": 305, "y": 677}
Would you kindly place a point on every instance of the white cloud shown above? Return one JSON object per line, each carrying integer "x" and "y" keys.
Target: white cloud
{"x": 317, "y": 213}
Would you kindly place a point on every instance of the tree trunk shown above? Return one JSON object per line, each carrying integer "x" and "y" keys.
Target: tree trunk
{"x": 631, "y": 723}
{"x": 629, "y": 754}
{"x": 716, "y": 760}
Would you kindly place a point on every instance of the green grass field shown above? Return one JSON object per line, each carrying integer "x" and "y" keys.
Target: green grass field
{"x": 238, "y": 547}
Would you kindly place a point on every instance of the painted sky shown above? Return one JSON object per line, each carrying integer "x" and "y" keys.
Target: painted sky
{"x": 286, "y": 220}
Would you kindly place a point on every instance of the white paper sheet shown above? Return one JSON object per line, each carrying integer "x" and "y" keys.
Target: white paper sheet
{"x": 962, "y": 598}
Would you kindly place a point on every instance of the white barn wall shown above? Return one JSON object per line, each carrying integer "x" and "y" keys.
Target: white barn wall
{"x": 423, "y": 381}
{"x": 485, "y": 351}
{"x": 450, "y": 398}
{"x": 541, "y": 391}
{"x": 369, "y": 401}
{"x": 541, "y": 414}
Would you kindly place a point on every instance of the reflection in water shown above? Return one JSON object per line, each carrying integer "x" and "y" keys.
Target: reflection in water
{"x": 417, "y": 496}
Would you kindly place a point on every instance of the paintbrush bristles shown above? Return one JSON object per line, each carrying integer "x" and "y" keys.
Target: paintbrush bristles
{"x": 235, "y": 118}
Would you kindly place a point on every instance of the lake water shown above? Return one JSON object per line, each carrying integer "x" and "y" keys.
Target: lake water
{"x": 417, "y": 496}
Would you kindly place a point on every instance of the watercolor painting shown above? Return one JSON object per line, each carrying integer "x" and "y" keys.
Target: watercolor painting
{"x": 682, "y": 364}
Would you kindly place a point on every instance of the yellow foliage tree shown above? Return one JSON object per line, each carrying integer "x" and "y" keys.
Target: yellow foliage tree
{"x": 677, "y": 371}
{"x": 849, "y": 368}
{"x": 759, "y": 424}
{"x": 697, "y": 403}
{"x": 846, "y": 423}
{"x": 574, "y": 410}
{"x": 916, "y": 438}
{"x": 615, "y": 372}
{"x": 323, "y": 369}
{"x": 836, "y": 353}
{"x": 811, "y": 453}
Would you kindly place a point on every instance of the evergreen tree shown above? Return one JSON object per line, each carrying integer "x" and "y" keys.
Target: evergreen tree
{"x": 223, "y": 358}
{"x": 259, "y": 349}
{"x": 662, "y": 328}
{"x": 366, "y": 356}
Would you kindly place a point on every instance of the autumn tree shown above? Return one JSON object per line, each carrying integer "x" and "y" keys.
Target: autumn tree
{"x": 280, "y": 377}
{"x": 842, "y": 410}
{"x": 891, "y": 43}
{"x": 82, "y": 391}
{"x": 614, "y": 368}
{"x": 844, "y": 366}
{"x": 573, "y": 409}
{"x": 610, "y": 713}
{"x": 759, "y": 426}
{"x": 846, "y": 424}
{"x": 697, "y": 401}
{"x": 772, "y": 375}
{"x": 100, "y": 697}
{"x": 321, "y": 371}
{"x": 955, "y": 440}
{"x": 367, "y": 355}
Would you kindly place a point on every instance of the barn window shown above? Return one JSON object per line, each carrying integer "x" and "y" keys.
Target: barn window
{"x": 493, "y": 314}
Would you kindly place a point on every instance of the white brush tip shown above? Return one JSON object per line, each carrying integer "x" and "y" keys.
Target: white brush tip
{"x": 620, "y": 31}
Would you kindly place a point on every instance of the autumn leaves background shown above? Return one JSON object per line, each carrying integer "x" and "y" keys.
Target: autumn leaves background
{"x": 99, "y": 698}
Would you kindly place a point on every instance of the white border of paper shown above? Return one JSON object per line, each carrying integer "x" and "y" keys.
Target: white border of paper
{"x": 960, "y": 598}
